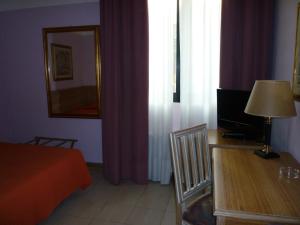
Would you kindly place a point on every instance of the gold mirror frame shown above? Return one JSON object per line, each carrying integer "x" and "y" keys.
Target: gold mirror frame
{"x": 52, "y": 73}
{"x": 296, "y": 70}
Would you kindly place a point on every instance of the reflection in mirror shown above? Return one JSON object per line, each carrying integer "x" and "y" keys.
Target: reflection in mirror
{"x": 72, "y": 66}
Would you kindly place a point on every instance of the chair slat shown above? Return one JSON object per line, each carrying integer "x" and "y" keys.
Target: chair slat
{"x": 181, "y": 177}
{"x": 200, "y": 156}
{"x": 208, "y": 155}
{"x": 193, "y": 159}
{"x": 186, "y": 164}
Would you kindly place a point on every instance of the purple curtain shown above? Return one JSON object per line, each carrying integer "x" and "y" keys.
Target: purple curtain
{"x": 124, "y": 55}
{"x": 246, "y": 42}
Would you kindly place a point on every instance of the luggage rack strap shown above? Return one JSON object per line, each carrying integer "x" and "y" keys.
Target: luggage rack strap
{"x": 46, "y": 141}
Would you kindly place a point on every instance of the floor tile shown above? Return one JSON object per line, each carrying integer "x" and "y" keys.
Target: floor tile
{"x": 169, "y": 218}
{"x": 70, "y": 220}
{"x": 143, "y": 216}
{"x": 98, "y": 221}
{"x": 115, "y": 212}
{"x": 81, "y": 208}
{"x": 128, "y": 194}
{"x": 153, "y": 201}
{"x": 171, "y": 205}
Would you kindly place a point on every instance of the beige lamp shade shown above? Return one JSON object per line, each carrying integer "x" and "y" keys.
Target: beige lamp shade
{"x": 271, "y": 98}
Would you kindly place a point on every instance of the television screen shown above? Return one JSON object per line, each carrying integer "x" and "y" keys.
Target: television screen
{"x": 231, "y": 116}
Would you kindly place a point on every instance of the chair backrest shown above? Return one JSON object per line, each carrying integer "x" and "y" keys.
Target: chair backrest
{"x": 191, "y": 161}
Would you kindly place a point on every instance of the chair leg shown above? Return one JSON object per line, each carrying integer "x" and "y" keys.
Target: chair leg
{"x": 179, "y": 220}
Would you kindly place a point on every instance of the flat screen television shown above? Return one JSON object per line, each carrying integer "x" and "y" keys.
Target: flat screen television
{"x": 231, "y": 116}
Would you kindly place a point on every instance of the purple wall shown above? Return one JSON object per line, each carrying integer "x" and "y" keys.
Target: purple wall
{"x": 285, "y": 132}
{"x": 22, "y": 82}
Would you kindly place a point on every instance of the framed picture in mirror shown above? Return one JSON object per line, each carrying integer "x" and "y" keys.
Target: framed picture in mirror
{"x": 62, "y": 62}
{"x": 72, "y": 71}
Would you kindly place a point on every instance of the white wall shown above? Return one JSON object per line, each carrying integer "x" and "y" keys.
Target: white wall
{"x": 285, "y": 132}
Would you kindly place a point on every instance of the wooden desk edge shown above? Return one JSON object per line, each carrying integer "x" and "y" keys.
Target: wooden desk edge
{"x": 256, "y": 217}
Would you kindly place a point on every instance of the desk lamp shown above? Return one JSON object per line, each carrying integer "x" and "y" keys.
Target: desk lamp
{"x": 270, "y": 99}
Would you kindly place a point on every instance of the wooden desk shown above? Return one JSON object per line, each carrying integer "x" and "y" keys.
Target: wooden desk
{"x": 248, "y": 187}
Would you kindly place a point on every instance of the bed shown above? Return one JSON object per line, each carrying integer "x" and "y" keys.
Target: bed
{"x": 35, "y": 179}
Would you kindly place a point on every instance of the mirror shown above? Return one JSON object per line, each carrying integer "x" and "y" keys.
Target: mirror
{"x": 72, "y": 69}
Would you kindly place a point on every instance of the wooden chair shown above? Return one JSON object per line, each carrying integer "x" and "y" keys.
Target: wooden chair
{"x": 193, "y": 176}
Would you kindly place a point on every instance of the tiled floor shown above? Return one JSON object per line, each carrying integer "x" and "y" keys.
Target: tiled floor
{"x": 125, "y": 204}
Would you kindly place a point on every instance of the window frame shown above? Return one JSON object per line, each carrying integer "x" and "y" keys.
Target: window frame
{"x": 176, "y": 95}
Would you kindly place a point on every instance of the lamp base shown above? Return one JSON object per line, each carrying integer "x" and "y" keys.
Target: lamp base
{"x": 266, "y": 155}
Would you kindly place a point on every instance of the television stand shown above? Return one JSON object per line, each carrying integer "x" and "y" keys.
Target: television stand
{"x": 236, "y": 135}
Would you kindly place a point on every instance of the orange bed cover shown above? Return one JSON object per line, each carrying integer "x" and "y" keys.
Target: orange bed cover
{"x": 35, "y": 179}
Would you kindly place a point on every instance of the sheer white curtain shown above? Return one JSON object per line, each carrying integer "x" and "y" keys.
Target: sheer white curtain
{"x": 162, "y": 20}
{"x": 200, "y": 24}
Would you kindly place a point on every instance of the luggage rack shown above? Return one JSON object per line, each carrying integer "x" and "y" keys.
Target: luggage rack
{"x": 54, "y": 142}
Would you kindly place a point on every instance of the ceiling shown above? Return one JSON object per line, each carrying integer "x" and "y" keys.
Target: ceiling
{"x": 6, "y": 5}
